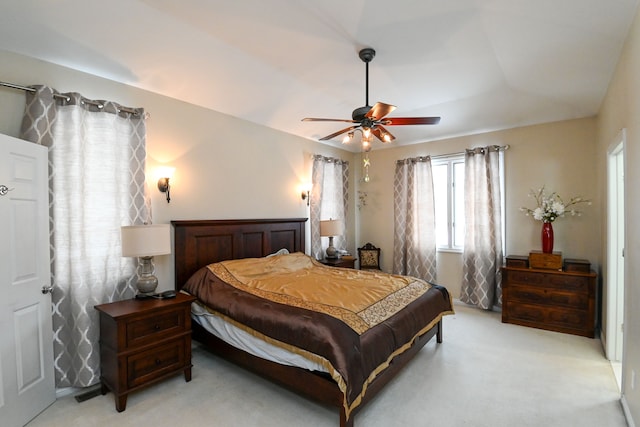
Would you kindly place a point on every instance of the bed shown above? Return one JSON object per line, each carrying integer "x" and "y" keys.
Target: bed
{"x": 205, "y": 251}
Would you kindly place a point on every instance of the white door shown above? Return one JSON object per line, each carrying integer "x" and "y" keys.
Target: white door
{"x": 615, "y": 256}
{"x": 26, "y": 338}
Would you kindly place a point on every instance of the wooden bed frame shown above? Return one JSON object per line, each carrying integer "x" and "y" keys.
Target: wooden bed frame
{"x": 202, "y": 242}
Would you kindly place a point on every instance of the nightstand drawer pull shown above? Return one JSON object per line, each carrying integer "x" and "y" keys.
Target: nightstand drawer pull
{"x": 158, "y": 361}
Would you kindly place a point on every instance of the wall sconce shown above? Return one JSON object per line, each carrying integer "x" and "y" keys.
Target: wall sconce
{"x": 165, "y": 175}
{"x": 306, "y": 193}
{"x": 164, "y": 187}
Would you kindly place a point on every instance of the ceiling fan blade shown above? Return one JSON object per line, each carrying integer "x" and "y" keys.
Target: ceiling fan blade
{"x": 398, "y": 121}
{"x": 380, "y": 133}
{"x": 315, "y": 119}
{"x": 333, "y": 135}
{"x": 380, "y": 110}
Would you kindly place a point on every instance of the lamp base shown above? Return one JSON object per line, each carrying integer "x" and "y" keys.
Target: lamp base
{"x": 147, "y": 282}
{"x": 332, "y": 252}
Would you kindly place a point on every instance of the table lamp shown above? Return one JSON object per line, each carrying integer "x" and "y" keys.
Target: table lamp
{"x": 330, "y": 228}
{"x": 145, "y": 242}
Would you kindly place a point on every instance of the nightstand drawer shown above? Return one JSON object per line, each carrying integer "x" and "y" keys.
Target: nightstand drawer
{"x": 152, "y": 328}
{"x": 156, "y": 362}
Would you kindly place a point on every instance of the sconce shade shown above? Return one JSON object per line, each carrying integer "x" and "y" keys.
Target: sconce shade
{"x": 145, "y": 240}
{"x": 331, "y": 227}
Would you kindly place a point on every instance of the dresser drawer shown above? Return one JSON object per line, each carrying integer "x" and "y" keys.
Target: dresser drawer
{"x": 151, "y": 328}
{"x": 549, "y": 316}
{"x": 568, "y": 283}
{"x": 548, "y": 297}
{"x": 151, "y": 364}
{"x": 547, "y": 280}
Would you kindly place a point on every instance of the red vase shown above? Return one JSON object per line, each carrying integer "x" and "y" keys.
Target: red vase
{"x": 547, "y": 238}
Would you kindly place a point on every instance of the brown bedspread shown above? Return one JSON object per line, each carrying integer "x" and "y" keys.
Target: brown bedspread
{"x": 357, "y": 342}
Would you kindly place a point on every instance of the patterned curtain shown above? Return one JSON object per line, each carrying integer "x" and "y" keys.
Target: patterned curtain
{"x": 329, "y": 200}
{"x": 482, "y": 255}
{"x": 96, "y": 185}
{"x": 414, "y": 236}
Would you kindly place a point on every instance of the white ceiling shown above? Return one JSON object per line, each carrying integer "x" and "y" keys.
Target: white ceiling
{"x": 479, "y": 64}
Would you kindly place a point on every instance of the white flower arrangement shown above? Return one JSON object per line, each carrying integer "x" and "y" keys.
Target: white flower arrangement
{"x": 551, "y": 207}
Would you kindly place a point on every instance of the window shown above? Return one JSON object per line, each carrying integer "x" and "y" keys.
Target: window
{"x": 329, "y": 199}
{"x": 448, "y": 189}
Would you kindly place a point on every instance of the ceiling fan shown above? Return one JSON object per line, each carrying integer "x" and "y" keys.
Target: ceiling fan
{"x": 371, "y": 120}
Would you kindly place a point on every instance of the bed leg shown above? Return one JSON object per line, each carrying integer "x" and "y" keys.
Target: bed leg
{"x": 344, "y": 422}
{"x": 439, "y": 333}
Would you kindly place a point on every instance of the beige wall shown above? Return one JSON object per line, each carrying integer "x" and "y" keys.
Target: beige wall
{"x": 621, "y": 110}
{"x": 225, "y": 167}
{"x": 559, "y": 155}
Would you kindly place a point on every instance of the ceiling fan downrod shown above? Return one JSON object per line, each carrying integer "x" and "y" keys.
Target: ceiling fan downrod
{"x": 366, "y": 55}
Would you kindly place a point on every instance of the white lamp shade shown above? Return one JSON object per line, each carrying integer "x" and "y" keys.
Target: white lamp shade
{"x": 331, "y": 227}
{"x": 145, "y": 240}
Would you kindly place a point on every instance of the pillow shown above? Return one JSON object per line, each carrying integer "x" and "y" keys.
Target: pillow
{"x": 282, "y": 251}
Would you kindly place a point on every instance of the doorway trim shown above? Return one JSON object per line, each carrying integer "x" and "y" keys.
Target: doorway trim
{"x": 615, "y": 269}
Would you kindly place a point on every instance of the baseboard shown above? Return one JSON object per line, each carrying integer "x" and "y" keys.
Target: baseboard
{"x": 66, "y": 391}
{"x": 89, "y": 393}
{"x": 81, "y": 393}
{"x": 627, "y": 413}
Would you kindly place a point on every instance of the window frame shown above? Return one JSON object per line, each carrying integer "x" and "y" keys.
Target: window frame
{"x": 449, "y": 161}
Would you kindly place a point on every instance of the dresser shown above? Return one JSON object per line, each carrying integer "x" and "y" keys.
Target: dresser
{"x": 143, "y": 342}
{"x": 561, "y": 301}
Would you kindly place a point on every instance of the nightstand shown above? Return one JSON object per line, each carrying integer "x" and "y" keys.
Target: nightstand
{"x": 338, "y": 262}
{"x": 143, "y": 342}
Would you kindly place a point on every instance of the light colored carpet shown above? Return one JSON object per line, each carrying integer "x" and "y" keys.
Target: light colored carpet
{"x": 485, "y": 373}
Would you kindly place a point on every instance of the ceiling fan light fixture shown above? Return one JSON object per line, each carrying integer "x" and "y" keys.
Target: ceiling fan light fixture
{"x": 366, "y": 132}
{"x": 347, "y": 138}
{"x": 386, "y": 137}
{"x": 366, "y": 142}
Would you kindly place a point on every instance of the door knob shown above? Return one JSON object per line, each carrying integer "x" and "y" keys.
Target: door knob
{"x": 47, "y": 289}
{"x": 4, "y": 190}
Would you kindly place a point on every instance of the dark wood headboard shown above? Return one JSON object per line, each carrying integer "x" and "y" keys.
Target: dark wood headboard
{"x": 201, "y": 242}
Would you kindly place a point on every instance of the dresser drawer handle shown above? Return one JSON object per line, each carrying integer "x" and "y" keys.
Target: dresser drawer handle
{"x": 158, "y": 361}
{"x": 156, "y": 327}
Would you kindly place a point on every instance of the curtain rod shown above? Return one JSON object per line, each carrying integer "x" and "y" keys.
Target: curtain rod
{"x": 66, "y": 98}
{"x": 498, "y": 147}
{"x": 440, "y": 156}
